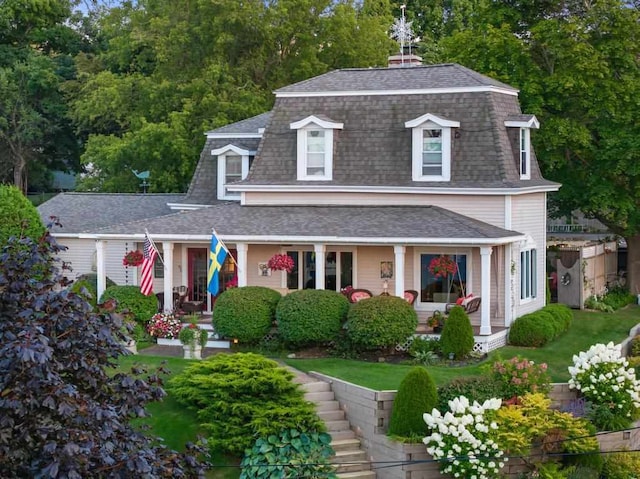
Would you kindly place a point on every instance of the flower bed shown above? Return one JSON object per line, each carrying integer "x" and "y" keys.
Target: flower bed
{"x": 164, "y": 326}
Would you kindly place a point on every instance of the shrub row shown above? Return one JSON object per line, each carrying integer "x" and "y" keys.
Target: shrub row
{"x": 311, "y": 316}
{"x": 538, "y": 328}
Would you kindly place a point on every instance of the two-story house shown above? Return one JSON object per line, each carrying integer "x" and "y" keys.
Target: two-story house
{"x": 365, "y": 177}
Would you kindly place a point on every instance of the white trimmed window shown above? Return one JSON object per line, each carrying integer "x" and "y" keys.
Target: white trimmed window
{"x": 528, "y": 274}
{"x": 315, "y": 148}
{"x": 431, "y": 147}
{"x": 524, "y": 144}
{"x": 233, "y": 166}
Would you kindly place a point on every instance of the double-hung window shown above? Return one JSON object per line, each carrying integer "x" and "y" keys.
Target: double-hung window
{"x": 528, "y": 274}
{"x": 315, "y": 144}
{"x": 524, "y": 123}
{"x": 233, "y": 166}
{"x": 431, "y": 147}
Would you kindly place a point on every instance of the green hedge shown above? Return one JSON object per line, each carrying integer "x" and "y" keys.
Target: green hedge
{"x": 243, "y": 396}
{"x": 476, "y": 388}
{"x": 380, "y": 322}
{"x": 18, "y": 216}
{"x": 130, "y": 298}
{"x": 562, "y": 313}
{"x": 246, "y": 313}
{"x": 311, "y": 316}
{"x": 534, "y": 329}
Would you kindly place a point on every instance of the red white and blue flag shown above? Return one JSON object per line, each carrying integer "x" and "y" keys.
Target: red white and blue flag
{"x": 149, "y": 254}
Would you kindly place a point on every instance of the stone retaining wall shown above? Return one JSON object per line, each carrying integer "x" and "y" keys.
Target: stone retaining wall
{"x": 369, "y": 411}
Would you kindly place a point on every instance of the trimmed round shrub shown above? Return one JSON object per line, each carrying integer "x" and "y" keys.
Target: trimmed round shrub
{"x": 240, "y": 397}
{"x": 556, "y": 323}
{"x": 18, "y": 216}
{"x": 129, "y": 298}
{"x": 89, "y": 282}
{"x": 477, "y": 388}
{"x": 562, "y": 313}
{"x": 246, "y": 313}
{"x": 457, "y": 334}
{"x": 531, "y": 330}
{"x": 311, "y": 316}
{"x": 416, "y": 395}
{"x": 380, "y": 322}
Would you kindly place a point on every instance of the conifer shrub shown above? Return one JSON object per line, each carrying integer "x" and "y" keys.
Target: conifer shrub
{"x": 18, "y": 216}
{"x": 416, "y": 395}
{"x": 311, "y": 316}
{"x": 245, "y": 313}
{"x": 240, "y": 397}
{"x": 129, "y": 299}
{"x": 457, "y": 334}
{"x": 380, "y": 322}
{"x": 531, "y": 330}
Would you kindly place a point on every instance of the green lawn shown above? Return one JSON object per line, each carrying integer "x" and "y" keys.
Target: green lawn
{"x": 588, "y": 328}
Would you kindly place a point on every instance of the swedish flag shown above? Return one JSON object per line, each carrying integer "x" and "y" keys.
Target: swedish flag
{"x": 217, "y": 255}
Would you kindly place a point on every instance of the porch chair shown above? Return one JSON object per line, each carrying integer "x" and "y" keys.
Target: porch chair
{"x": 410, "y": 295}
{"x": 359, "y": 294}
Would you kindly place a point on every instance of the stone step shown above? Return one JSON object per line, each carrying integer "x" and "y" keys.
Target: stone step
{"x": 337, "y": 425}
{"x": 368, "y": 474}
{"x": 327, "y": 405}
{"x": 336, "y": 415}
{"x": 321, "y": 396}
{"x": 345, "y": 444}
{"x": 349, "y": 456}
{"x": 355, "y": 466}
{"x": 342, "y": 435}
{"x": 316, "y": 387}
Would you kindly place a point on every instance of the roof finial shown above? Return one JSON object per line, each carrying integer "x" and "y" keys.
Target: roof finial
{"x": 401, "y": 31}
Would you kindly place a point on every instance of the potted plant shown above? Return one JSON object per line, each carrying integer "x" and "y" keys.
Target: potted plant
{"x": 281, "y": 262}
{"x": 133, "y": 258}
{"x": 193, "y": 339}
{"x": 164, "y": 326}
{"x": 436, "y": 321}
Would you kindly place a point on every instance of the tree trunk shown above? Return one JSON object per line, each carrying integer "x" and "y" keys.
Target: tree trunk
{"x": 19, "y": 174}
{"x": 633, "y": 264}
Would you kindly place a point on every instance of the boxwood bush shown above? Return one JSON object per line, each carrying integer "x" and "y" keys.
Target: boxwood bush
{"x": 416, "y": 395}
{"x": 246, "y": 313}
{"x": 457, "y": 334}
{"x": 476, "y": 388}
{"x": 562, "y": 313}
{"x": 243, "y": 396}
{"x": 380, "y": 322}
{"x": 130, "y": 298}
{"x": 532, "y": 330}
{"x": 311, "y": 316}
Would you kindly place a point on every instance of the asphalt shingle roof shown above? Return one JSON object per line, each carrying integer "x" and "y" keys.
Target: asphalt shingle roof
{"x": 250, "y": 125}
{"x": 85, "y": 212}
{"x": 233, "y": 220}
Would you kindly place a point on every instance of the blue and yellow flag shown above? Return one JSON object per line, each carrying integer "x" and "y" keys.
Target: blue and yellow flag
{"x": 217, "y": 255}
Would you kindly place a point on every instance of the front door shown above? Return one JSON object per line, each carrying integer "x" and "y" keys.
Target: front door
{"x": 197, "y": 274}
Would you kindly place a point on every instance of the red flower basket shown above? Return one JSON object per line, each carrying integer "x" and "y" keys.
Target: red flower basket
{"x": 133, "y": 258}
{"x": 281, "y": 262}
{"x": 443, "y": 266}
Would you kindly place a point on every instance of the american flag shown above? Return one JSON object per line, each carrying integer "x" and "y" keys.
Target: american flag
{"x": 149, "y": 254}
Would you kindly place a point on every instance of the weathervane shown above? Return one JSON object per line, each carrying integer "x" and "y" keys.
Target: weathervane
{"x": 402, "y": 32}
{"x": 144, "y": 176}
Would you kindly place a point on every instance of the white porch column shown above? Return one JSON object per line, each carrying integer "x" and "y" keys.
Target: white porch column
{"x": 101, "y": 270}
{"x": 242, "y": 249}
{"x": 167, "y": 256}
{"x": 485, "y": 271}
{"x": 508, "y": 286}
{"x": 320, "y": 250}
{"x": 398, "y": 269}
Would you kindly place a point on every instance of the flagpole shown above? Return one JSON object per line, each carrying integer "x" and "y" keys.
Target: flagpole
{"x": 159, "y": 256}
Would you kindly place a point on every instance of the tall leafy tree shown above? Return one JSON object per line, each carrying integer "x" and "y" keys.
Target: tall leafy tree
{"x": 578, "y": 67}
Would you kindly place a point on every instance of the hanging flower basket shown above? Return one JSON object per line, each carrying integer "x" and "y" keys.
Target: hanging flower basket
{"x": 443, "y": 266}
{"x": 281, "y": 262}
{"x": 133, "y": 258}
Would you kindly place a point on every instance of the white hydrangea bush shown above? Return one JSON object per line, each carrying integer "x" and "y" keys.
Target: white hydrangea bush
{"x": 603, "y": 376}
{"x": 461, "y": 439}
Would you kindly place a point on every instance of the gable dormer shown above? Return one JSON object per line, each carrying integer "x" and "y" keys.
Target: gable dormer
{"x": 233, "y": 166}
{"x": 431, "y": 147}
{"x": 315, "y": 148}
{"x": 524, "y": 123}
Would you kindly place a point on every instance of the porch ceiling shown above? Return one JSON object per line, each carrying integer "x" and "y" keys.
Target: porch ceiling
{"x": 354, "y": 224}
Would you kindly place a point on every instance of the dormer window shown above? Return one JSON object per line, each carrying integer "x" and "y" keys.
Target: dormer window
{"x": 431, "y": 147}
{"x": 315, "y": 148}
{"x": 524, "y": 123}
{"x": 233, "y": 166}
